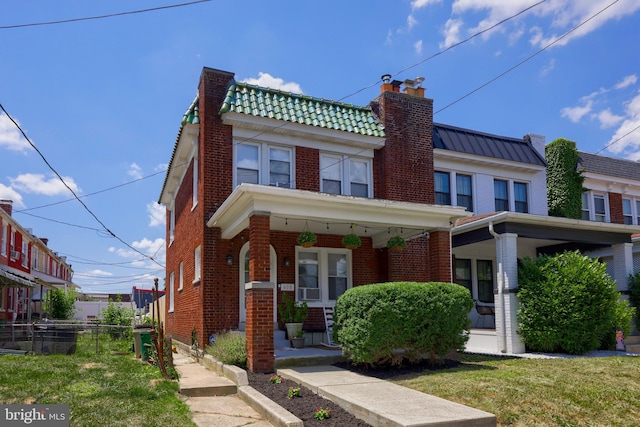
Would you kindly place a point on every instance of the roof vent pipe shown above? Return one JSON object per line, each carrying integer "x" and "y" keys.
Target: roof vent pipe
{"x": 386, "y": 79}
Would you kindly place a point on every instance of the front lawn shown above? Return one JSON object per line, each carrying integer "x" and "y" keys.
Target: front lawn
{"x": 112, "y": 388}
{"x": 603, "y": 391}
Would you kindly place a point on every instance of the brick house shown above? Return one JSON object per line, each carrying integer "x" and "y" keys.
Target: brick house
{"x": 28, "y": 268}
{"x": 253, "y": 167}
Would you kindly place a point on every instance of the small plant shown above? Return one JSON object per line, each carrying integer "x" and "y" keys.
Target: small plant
{"x": 275, "y": 379}
{"x": 351, "y": 241}
{"x": 322, "y": 413}
{"x": 230, "y": 348}
{"x": 306, "y": 239}
{"x": 293, "y": 392}
{"x": 292, "y": 311}
{"x": 119, "y": 317}
{"x": 396, "y": 243}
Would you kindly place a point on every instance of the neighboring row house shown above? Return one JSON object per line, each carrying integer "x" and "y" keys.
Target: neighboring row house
{"x": 28, "y": 268}
{"x": 253, "y": 167}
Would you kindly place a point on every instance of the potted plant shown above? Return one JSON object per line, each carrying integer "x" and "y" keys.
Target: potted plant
{"x": 396, "y": 243}
{"x": 351, "y": 241}
{"x": 298, "y": 339}
{"x": 293, "y": 314}
{"x": 306, "y": 239}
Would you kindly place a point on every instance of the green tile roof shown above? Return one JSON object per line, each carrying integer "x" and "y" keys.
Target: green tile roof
{"x": 191, "y": 116}
{"x": 290, "y": 107}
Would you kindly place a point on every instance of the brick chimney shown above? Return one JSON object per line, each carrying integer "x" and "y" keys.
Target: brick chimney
{"x": 7, "y": 206}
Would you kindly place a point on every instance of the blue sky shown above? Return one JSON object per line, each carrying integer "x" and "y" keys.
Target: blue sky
{"x": 102, "y": 99}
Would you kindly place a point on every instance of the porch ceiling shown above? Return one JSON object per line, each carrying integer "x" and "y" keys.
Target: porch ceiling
{"x": 12, "y": 280}
{"x": 297, "y": 210}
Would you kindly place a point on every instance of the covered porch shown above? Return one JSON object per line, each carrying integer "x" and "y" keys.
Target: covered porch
{"x": 486, "y": 250}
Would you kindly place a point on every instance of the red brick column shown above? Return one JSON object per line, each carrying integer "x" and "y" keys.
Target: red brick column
{"x": 440, "y": 256}
{"x": 259, "y": 297}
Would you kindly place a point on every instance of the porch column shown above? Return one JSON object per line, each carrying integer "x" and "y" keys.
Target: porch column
{"x": 259, "y": 297}
{"x": 506, "y": 309}
{"x": 622, "y": 265}
{"x": 440, "y": 256}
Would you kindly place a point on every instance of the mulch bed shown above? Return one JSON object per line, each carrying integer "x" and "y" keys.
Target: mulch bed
{"x": 305, "y": 407}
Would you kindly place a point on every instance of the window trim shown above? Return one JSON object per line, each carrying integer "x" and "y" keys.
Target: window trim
{"x": 195, "y": 183}
{"x": 181, "y": 276}
{"x": 344, "y": 161}
{"x": 171, "y": 295}
{"x": 264, "y": 158}
{"x": 470, "y": 195}
{"x": 323, "y": 272}
{"x": 197, "y": 265}
{"x": 515, "y": 196}
{"x": 443, "y": 193}
{"x": 495, "y": 196}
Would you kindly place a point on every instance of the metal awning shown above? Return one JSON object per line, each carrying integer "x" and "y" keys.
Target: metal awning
{"x": 11, "y": 280}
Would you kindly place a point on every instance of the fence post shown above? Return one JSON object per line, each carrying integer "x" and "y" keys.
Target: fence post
{"x": 97, "y": 337}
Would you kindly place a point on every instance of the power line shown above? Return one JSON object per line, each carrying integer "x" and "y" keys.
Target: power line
{"x": 112, "y": 15}
{"x": 623, "y": 136}
{"x": 73, "y": 192}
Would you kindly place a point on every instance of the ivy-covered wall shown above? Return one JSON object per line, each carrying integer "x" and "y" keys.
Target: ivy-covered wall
{"x": 564, "y": 181}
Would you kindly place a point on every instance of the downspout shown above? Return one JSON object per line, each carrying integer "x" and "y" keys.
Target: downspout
{"x": 503, "y": 348}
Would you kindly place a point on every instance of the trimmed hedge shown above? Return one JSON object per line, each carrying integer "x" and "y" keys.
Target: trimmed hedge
{"x": 569, "y": 304}
{"x": 386, "y": 322}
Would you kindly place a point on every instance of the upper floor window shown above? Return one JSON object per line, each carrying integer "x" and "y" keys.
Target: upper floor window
{"x": 501, "y": 195}
{"x": 594, "y": 207}
{"x": 180, "y": 277}
{"x": 520, "y": 197}
{"x": 626, "y": 211}
{"x": 170, "y": 292}
{"x": 195, "y": 181}
{"x": 463, "y": 190}
{"x": 172, "y": 224}
{"x": 442, "y": 188}
{"x": 196, "y": 265}
{"x": 345, "y": 175}
{"x": 323, "y": 274}
{"x": 3, "y": 240}
{"x": 264, "y": 164}
{"x": 35, "y": 258}
{"x": 25, "y": 253}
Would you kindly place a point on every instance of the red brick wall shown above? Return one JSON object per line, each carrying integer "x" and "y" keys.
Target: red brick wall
{"x": 260, "y": 346}
{"x": 403, "y": 169}
{"x": 439, "y": 256}
{"x": 307, "y": 169}
{"x": 615, "y": 208}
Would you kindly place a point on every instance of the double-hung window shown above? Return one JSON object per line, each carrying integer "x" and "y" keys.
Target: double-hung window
{"x": 627, "y": 214}
{"x": 485, "y": 281}
{"x": 264, "y": 164}
{"x": 599, "y": 208}
{"x": 520, "y": 197}
{"x": 463, "y": 190}
{"x": 3, "y": 241}
{"x": 197, "y": 265}
{"x": 442, "y": 188}
{"x": 345, "y": 175}
{"x": 171, "y": 296}
{"x": 25, "y": 253}
{"x": 463, "y": 273}
{"x": 585, "y": 206}
{"x": 501, "y": 195}
{"x": 323, "y": 274}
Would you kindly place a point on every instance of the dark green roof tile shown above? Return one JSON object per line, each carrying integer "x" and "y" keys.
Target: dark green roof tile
{"x": 259, "y": 101}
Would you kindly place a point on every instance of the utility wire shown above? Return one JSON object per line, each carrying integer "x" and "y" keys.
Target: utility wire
{"x": 73, "y": 192}
{"x": 64, "y": 21}
{"x": 617, "y": 140}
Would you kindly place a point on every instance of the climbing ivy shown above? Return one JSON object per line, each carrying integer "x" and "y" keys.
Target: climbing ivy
{"x": 564, "y": 181}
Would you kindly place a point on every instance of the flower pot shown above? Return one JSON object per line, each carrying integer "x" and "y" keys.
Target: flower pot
{"x": 292, "y": 329}
{"x": 297, "y": 342}
{"x": 307, "y": 244}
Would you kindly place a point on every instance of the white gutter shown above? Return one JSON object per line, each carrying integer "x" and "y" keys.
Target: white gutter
{"x": 498, "y": 238}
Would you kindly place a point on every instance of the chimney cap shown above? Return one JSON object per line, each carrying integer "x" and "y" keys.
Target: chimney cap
{"x": 386, "y": 78}
{"x": 415, "y": 83}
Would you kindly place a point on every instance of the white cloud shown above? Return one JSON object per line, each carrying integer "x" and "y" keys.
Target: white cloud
{"x": 575, "y": 114}
{"x": 161, "y": 167}
{"x": 157, "y": 214}
{"x": 451, "y": 32}
{"x": 8, "y": 193}
{"x": 38, "y": 184}
{"x": 548, "y": 68}
{"x": 411, "y": 22}
{"x": 417, "y": 46}
{"x": 135, "y": 171}
{"x": 419, "y": 4}
{"x": 627, "y": 81}
{"x": 627, "y": 136}
{"x": 267, "y": 80}
{"x": 389, "y": 40}
{"x": 607, "y": 119}
{"x": 94, "y": 273}
{"x": 10, "y": 136}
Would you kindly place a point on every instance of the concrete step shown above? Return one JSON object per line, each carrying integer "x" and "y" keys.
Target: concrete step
{"x": 198, "y": 381}
{"x": 632, "y": 339}
{"x": 634, "y": 348}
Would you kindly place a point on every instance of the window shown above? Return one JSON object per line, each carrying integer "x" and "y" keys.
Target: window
{"x": 485, "y": 281}
{"x": 12, "y": 248}
{"x": 170, "y": 292}
{"x": 195, "y": 182}
{"x": 25, "y": 253}
{"x": 520, "y": 197}
{"x": 501, "y": 195}
{"x": 599, "y": 208}
{"x": 463, "y": 189}
{"x": 276, "y": 170}
{"x": 180, "y": 277}
{"x": 463, "y": 273}
{"x": 626, "y": 211}
{"x": 197, "y": 265}
{"x": 442, "y": 188}
{"x": 323, "y": 274}
{"x": 3, "y": 241}
{"x": 585, "y": 206}
{"x": 637, "y": 212}
{"x": 344, "y": 175}
{"x": 172, "y": 224}
{"x": 35, "y": 253}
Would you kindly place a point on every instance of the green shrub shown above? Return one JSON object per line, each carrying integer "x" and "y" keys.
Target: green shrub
{"x": 60, "y": 304}
{"x": 230, "y": 348}
{"x": 634, "y": 295}
{"x": 374, "y": 323}
{"x": 568, "y": 304}
{"x": 118, "y": 315}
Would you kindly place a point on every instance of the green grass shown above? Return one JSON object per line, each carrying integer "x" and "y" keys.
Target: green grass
{"x": 601, "y": 391}
{"x": 112, "y": 388}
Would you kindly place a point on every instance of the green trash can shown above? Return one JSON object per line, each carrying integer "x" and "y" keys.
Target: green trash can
{"x": 145, "y": 338}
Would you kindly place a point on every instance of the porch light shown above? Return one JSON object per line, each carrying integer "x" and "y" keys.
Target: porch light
{"x": 287, "y": 262}
{"x": 229, "y": 259}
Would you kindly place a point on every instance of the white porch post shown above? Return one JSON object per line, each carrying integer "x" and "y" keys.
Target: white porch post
{"x": 622, "y": 265}
{"x": 506, "y": 300}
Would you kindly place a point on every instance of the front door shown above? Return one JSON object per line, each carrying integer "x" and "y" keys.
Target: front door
{"x": 244, "y": 278}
